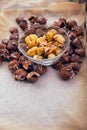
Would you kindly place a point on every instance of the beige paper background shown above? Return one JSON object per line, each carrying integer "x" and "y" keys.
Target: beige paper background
{"x": 50, "y": 103}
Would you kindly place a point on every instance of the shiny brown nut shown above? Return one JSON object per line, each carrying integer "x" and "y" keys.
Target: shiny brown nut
{"x": 77, "y": 42}
{"x": 23, "y": 25}
{"x": 24, "y": 46}
{"x": 66, "y": 29}
{"x": 65, "y": 58}
{"x": 22, "y": 59}
{"x": 30, "y": 31}
{"x": 72, "y": 35}
{"x": 33, "y": 76}
{"x": 78, "y": 30}
{"x": 54, "y": 27}
{"x": 39, "y": 32}
{"x": 41, "y": 20}
{"x": 14, "y": 56}
{"x": 12, "y": 45}
{"x": 75, "y": 58}
{"x": 2, "y": 46}
{"x": 66, "y": 72}
{"x": 71, "y": 23}
{"x": 20, "y": 74}
{"x": 61, "y": 31}
{"x": 3, "y": 49}
{"x": 22, "y": 39}
{"x": 1, "y": 60}
{"x": 19, "y": 19}
{"x": 14, "y": 36}
{"x": 80, "y": 52}
{"x": 41, "y": 69}
{"x": 5, "y": 41}
{"x": 13, "y": 30}
{"x": 44, "y": 28}
{"x": 13, "y": 65}
{"x": 13, "y": 42}
{"x": 5, "y": 54}
{"x": 32, "y": 19}
{"x": 75, "y": 66}
{"x": 36, "y": 26}
{"x": 57, "y": 65}
{"x": 27, "y": 65}
{"x": 70, "y": 51}
{"x": 61, "y": 22}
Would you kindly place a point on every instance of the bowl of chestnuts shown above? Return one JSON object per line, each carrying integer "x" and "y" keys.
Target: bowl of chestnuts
{"x": 43, "y": 44}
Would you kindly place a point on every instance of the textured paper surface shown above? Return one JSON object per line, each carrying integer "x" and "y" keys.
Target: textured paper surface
{"x": 50, "y": 101}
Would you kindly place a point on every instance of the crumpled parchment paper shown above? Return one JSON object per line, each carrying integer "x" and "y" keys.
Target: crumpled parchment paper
{"x": 50, "y": 102}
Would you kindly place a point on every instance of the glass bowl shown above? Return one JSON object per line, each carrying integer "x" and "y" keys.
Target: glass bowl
{"x": 45, "y": 62}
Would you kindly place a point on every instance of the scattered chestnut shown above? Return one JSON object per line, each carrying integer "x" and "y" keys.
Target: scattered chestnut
{"x": 57, "y": 65}
{"x": 66, "y": 72}
{"x": 13, "y": 30}
{"x": 33, "y": 76}
{"x": 41, "y": 20}
{"x": 13, "y": 65}
{"x": 41, "y": 69}
{"x": 20, "y": 74}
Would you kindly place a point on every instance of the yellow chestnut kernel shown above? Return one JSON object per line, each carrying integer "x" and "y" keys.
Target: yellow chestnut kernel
{"x": 32, "y": 44}
{"x": 49, "y": 35}
{"x": 47, "y": 49}
{"x": 60, "y": 45}
{"x": 31, "y": 40}
{"x": 42, "y": 41}
{"x": 27, "y": 40}
{"x": 59, "y": 38}
{"x": 53, "y": 31}
{"x": 44, "y": 36}
{"x": 40, "y": 51}
{"x": 58, "y": 51}
{"x": 33, "y": 37}
{"x": 52, "y": 55}
{"x": 32, "y": 51}
{"x": 49, "y": 44}
{"x": 38, "y": 57}
{"x": 56, "y": 44}
{"x": 52, "y": 49}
